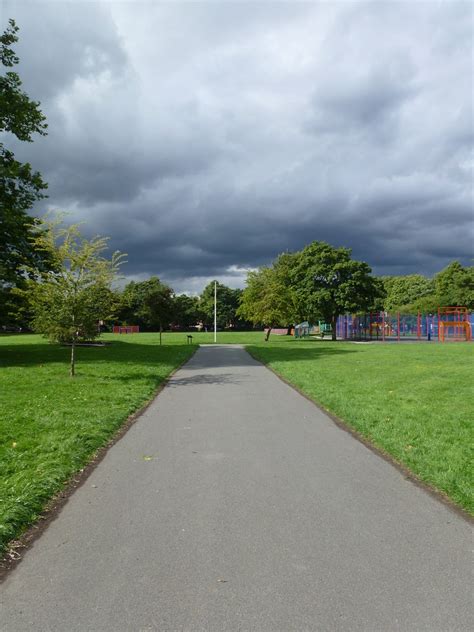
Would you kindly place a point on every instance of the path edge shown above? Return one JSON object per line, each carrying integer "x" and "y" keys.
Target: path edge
{"x": 17, "y": 548}
{"x": 433, "y": 491}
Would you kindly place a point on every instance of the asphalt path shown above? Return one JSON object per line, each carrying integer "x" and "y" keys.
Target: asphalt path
{"x": 236, "y": 504}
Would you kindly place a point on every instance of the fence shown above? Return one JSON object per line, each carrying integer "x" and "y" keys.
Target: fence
{"x": 387, "y": 326}
{"x": 126, "y": 329}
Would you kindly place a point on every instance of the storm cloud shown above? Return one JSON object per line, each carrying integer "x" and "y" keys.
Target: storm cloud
{"x": 206, "y": 138}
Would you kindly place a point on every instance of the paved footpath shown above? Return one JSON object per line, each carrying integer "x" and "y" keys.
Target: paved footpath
{"x": 235, "y": 504}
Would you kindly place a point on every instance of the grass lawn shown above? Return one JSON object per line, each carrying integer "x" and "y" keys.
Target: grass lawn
{"x": 413, "y": 400}
{"x": 51, "y": 424}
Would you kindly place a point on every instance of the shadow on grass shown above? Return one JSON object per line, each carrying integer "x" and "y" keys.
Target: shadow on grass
{"x": 121, "y": 352}
{"x": 34, "y": 354}
{"x": 296, "y": 354}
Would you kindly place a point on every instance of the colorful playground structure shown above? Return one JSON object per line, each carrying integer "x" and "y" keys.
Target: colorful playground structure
{"x": 453, "y": 323}
{"x": 304, "y": 329}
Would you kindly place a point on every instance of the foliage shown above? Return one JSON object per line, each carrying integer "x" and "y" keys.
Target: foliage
{"x": 186, "y": 311}
{"x": 155, "y": 301}
{"x": 268, "y": 298}
{"x": 403, "y": 292}
{"x": 227, "y": 305}
{"x": 20, "y": 186}
{"x": 69, "y": 301}
{"x": 455, "y": 285}
{"x": 149, "y": 304}
{"x": 327, "y": 283}
{"x": 15, "y": 314}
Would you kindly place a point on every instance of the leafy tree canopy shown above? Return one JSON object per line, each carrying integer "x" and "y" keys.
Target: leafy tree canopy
{"x": 403, "y": 292}
{"x": 327, "y": 283}
{"x": 227, "y": 305}
{"x": 149, "y": 304}
{"x": 455, "y": 285}
{"x": 20, "y": 186}
{"x": 186, "y": 311}
{"x": 268, "y": 298}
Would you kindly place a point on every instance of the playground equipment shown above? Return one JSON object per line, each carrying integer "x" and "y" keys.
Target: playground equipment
{"x": 453, "y": 324}
{"x": 450, "y": 323}
{"x": 325, "y": 329}
{"x": 302, "y": 330}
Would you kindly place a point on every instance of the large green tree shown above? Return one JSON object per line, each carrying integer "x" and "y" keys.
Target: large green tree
{"x": 227, "y": 305}
{"x": 186, "y": 311}
{"x": 455, "y": 285}
{"x": 328, "y": 282}
{"x": 69, "y": 301}
{"x": 149, "y": 304}
{"x": 20, "y": 185}
{"x": 403, "y": 292}
{"x": 268, "y": 298}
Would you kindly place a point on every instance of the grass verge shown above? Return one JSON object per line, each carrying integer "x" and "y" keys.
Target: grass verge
{"x": 412, "y": 400}
{"x": 51, "y": 425}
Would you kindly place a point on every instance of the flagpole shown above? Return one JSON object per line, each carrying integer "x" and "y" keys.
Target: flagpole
{"x": 215, "y": 311}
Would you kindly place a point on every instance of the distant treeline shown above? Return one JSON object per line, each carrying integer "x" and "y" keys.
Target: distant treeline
{"x": 319, "y": 281}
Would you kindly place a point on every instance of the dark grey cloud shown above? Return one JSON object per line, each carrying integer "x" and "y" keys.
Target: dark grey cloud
{"x": 206, "y": 138}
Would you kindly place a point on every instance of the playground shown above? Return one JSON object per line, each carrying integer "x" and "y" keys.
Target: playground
{"x": 449, "y": 324}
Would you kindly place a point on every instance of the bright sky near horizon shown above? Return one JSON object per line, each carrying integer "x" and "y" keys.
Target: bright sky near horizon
{"x": 207, "y": 137}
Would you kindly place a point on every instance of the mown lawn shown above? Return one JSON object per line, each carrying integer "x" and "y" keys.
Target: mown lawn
{"x": 413, "y": 400}
{"x": 51, "y": 424}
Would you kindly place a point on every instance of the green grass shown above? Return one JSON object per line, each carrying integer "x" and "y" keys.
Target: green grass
{"x": 51, "y": 425}
{"x": 415, "y": 401}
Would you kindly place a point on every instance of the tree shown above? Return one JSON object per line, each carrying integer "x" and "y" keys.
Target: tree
{"x": 186, "y": 311}
{"x": 268, "y": 298}
{"x": 149, "y": 304}
{"x": 69, "y": 301}
{"x": 20, "y": 186}
{"x": 327, "y": 283}
{"x": 227, "y": 305}
{"x": 403, "y": 292}
{"x": 455, "y": 285}
{"x": 155, "y": 303}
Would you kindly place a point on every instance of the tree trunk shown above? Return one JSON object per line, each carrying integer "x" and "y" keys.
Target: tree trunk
{"x": 72, "y": 372}
{"x": 161, "y": 331}
{"x": 268, "y": 334}
{"x": 334, "y": 327}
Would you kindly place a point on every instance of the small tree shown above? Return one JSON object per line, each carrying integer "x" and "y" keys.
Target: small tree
{"x": 328, "y": 282}
{"x": 267, "y": 298}
{"x": 68, "y": 301}
{"x": 155, "y": 303}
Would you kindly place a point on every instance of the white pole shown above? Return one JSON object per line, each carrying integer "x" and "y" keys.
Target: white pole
{"x": 215, "y": 311}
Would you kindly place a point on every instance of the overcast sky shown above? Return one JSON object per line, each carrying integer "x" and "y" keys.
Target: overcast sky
{"x": 207, "y": 137}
